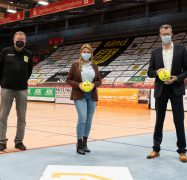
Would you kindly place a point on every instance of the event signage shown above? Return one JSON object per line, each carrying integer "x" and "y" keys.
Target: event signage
{"x": 58, "y": 7}
{"x": 42, "y": 94}
{"x": 8, "y": 18}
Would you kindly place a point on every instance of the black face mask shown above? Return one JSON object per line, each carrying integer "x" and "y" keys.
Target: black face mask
{"x": 20, "y": 44}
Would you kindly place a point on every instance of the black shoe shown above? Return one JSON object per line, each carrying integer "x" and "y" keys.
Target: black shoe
{"x": 80, "y": 149}
{"x": 2, "y": 147}
{"x": 86, "y": 149}
{"x": 20, "y": 146}
{"x": 85, "y": 145}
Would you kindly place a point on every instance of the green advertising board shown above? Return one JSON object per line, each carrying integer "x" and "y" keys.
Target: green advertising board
{"x": 137, "y": 79}
{"x": 43, "y": 94}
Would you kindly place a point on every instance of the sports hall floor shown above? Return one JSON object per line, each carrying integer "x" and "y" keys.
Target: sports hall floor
{"x": 120, "y": 137}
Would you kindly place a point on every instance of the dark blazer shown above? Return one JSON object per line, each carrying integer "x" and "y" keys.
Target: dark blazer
{"x": 179, "y": 69}
{"x": 74, "y": 79}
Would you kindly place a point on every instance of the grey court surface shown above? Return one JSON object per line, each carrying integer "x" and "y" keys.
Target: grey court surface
{"x": 128, "y": 152}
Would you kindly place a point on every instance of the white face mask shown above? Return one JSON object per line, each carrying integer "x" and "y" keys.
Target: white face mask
{"x": 86, "y": 56}
{"x": 166, "y": 39}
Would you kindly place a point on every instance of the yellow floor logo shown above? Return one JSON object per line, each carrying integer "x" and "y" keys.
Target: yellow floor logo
{"x": 82, "y": 175}
{"x": 57, "y": 172}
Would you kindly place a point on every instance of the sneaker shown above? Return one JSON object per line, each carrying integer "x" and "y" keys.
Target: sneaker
{"x": 2, "y": 147}
{"x": 20, "y": 146}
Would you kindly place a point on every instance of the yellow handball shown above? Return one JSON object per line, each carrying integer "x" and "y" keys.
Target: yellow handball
{"x": 86, "y": 86}
{"x": 164, "y": 75}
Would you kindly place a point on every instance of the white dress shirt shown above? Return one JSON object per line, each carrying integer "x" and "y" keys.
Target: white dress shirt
{"x": 168, "y": 57}
{"x": 87, "y": 72}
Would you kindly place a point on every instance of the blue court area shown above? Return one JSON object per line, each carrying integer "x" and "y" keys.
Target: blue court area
{"x": 128, "y": 152}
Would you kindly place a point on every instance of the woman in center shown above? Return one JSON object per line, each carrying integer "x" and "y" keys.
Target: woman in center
{"x": 85, "y": 102}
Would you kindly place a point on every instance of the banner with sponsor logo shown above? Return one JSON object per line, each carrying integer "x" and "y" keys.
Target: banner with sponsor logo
{"x": 55, "y": 41}
{"x": 118, "y": 97}
{"x": 109, "y": 50}
{"x": 58, "y": 7}
{"x": 123, "y": 97}
{"x": 8, "y": 18}
{"x": 58, "y": 77}
{"x": 41, "y": 94}
{"x": 63, "y": 95}
{"x": 137, "y": 79}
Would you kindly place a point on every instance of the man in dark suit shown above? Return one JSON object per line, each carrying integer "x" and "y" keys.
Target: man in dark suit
{"x": 173, "y": 58}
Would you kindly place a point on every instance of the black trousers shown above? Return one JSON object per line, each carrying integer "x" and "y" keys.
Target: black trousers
{"x": 178, "y": 117}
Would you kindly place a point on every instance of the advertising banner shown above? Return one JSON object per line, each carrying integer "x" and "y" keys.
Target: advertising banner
{"x": 55, "y": 41}
{"x": 8, "y": 18}
{"x": 41, "y": 94}
{"x": 110, "y": 50}
{"x": 123, "y": 97}
{"x": 58, "y": 7}
{"x": 63, "y": 95}
{"x": 58, "y": 77}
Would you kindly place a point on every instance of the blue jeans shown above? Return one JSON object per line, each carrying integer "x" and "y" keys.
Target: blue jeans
{"x": 85, "y": 108}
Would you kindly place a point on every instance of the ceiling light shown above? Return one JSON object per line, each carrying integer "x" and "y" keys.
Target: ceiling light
{"x": 11, "y": 10}
{"x": 42, "y": 2}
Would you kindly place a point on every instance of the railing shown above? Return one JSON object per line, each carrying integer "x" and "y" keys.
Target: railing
{"x": 138, "y": 16}
{"x": 170, "y": 12}
{"x": 129, "y": 26}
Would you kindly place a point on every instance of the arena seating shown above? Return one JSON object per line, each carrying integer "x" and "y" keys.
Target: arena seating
{"x": 120, "y": 60}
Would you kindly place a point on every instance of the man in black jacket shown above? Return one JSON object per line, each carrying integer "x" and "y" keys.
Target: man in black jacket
{"x": 15, "y": 70}
{"x": 173, "y": 58}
